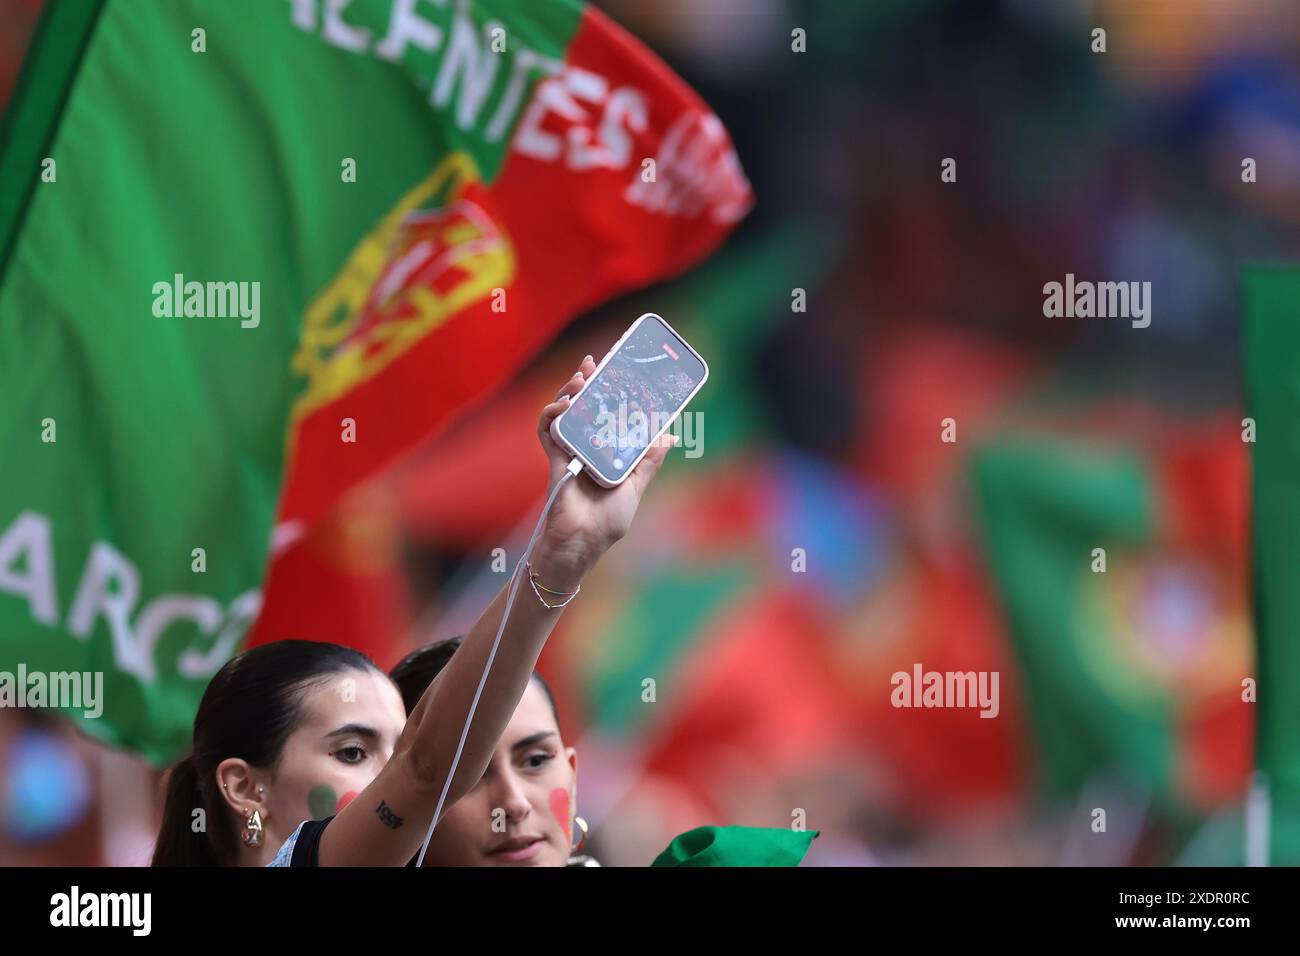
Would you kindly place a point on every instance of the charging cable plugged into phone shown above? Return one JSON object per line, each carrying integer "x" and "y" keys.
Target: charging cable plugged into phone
{"x": 650, "y": 367}
{"x": 631, "y": 398}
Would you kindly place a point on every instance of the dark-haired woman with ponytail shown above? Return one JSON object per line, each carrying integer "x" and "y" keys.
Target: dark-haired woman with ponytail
{"x": 293, "y": 732}
{"x": 284, "y": 731}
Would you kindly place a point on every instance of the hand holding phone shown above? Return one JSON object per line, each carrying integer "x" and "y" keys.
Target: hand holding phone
{"x": 590, "y": 516}
{"x": 636, "y": 392}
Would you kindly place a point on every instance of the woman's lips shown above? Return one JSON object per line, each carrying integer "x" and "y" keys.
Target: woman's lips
{"x": 516, "y": 851}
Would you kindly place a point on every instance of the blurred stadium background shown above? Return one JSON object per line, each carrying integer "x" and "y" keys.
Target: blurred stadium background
{"x": 924, "y": 301}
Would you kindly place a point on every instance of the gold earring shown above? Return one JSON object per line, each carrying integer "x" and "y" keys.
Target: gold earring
{"x": 576, "y": 856}
{"x": 252, "y": 834}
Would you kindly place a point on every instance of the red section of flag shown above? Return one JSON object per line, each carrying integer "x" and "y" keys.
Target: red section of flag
{"x": 945, "y": 760}
{"x": 757, "y": 703}
{"x": 915, "y": 381}
{"x": 573, "y": 205}
{"x": 344, "y": 583}
{"x": 1215, "y": 750}
{"x": 618, "y": 175}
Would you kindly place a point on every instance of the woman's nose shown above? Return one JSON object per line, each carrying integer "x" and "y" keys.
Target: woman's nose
{"x": 510, "y": 796}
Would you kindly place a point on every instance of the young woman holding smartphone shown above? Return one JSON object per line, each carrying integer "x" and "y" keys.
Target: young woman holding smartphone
{"x": 285, "y": 728}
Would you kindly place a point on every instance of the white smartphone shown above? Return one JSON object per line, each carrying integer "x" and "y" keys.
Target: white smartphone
{"x": 638, "y": 389}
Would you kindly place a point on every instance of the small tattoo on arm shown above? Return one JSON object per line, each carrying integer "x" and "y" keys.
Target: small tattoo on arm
{"x": 387, "y": 817}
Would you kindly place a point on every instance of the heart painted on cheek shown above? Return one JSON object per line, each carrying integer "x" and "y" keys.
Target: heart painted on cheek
{"x": 345, "y": 800}
{"x": 560, "y": 810}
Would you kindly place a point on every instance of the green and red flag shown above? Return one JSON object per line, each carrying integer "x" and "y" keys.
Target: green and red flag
{"x": 1272, "y": 297}
{"x": 1119, "y": 567}
{"x": 252, "y": 251}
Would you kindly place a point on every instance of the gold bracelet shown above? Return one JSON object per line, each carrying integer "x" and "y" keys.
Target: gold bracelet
{"x": 538, "y": 587}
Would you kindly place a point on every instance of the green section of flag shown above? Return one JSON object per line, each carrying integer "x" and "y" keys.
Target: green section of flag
{"x": 473, "y": 62}
{"x": 650, "y": 643}
{"x": 728, "y": 307}
{"x": 1044, "y": 508}
{"x": 134, "y": 440}
{"x": 1272, "y": 353}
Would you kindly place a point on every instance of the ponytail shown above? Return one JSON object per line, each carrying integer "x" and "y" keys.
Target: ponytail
{"x": 184, "y": 839}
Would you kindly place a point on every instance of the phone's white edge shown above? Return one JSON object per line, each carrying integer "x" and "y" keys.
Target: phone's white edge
{"x": 590, "y": 468}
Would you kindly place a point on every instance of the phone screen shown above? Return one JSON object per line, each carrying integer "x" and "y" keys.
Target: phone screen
{"x": 632, "y": 398}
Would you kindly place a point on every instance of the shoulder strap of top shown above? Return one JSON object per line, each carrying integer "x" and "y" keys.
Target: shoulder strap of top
{"x": 307, "y": 848}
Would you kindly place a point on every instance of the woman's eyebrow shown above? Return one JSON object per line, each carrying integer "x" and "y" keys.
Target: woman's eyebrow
{"x": 534, "y": 739}
{"x": 359, "y": 729}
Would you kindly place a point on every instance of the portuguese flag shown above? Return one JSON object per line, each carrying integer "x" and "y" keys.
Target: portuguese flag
{"x": 1272, "y": 301}
{"x": 1120, "y": 570}
{"x": 251, "y": 251}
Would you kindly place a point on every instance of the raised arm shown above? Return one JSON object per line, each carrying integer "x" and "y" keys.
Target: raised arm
{"x": 386, "y": 823}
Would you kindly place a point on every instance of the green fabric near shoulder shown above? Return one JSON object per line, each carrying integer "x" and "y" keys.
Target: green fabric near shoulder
{"x": 737, "y": 846}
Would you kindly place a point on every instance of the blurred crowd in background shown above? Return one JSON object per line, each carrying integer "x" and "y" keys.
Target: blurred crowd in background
{"x": 828, "y": 536}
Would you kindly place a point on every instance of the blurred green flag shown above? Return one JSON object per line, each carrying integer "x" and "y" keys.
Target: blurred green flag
{"x": 1272, "y": 310}
{"x": 1119, "y": 570}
